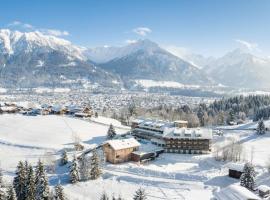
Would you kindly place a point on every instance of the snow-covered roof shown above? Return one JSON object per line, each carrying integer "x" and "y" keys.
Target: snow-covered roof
{"x": 81, "y": 114}
{"x": 123, "y": 143}
{"x": 154, "y": 124}
{"x": 198, "y": 133}
{"x": 236, "y": 192}
{"x": 138, "y": 121}
{"x": 263, "y": 188}
{"x": 8, "y": 108}
{"x": 181, "y": 121}
{"x": 236, "y": 166}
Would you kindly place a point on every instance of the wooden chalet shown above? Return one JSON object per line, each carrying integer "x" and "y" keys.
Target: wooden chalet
{"x": 120, "y": 150}
{"x": 236, "y": 170}
{"x": 264, "y": 191}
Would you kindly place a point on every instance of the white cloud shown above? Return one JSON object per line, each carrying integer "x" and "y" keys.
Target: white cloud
{"x": 20, "y": 25}
{"x": 248, "y": 45}
{"x": 54, "y": 32}
{"x": 143, "y": 31}
{"x": 28, "y": 27}
{"x": 131, "y": 41}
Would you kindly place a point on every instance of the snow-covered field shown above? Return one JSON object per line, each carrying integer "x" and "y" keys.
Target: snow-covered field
{"x": 170, "y": 84}
{"x": 171, "y": 176}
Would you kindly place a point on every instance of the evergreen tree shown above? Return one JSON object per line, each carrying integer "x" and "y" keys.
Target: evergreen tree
{"x": 2, "y": 184}
{"x": 19, "y": 181}
{"x": 261, "y": 128}
{"x": 51, "y": 195}
{"x": 59, "y": 192}
{"x": 85, "y": 168}
{"x": 111, "y": 132}
{"x": 30, "y": 184}
{"x": 140, "y": 194}
{"x": 11, "y": 195}
{"x": 2, "y": 194}
{"x": 231, "y": 116}
{"x": 120, "y": 198}
{"x": 95, "y": 171}
{"x": 64, "y": 158}
{"x": 247, "y": 179}
{"x": 74, "y": 171}
{"x": 104, "y": 196}
{"x": 42, "y": 185}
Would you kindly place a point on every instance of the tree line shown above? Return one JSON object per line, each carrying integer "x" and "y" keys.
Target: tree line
{"x": 219, "y": 112}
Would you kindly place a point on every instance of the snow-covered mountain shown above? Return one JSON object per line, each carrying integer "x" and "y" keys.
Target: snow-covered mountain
{"x": 31, "y": 59}
{"x": 108, "y": 53}
{"x": 146, "y": 60}
{"x": 240, "y": 68}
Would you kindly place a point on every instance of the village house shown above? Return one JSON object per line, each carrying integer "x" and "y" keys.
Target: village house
{"x": 264, "y": 191}
{"x": 236, "y": 170}
{"x": 181, "y": 124}
{"x": 120, "y": 150}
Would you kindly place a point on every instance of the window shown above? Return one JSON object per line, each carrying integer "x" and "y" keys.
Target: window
{"x": 117, "y": 156}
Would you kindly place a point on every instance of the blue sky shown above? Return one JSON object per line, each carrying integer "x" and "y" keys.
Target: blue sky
{"x": 210, "y": 27}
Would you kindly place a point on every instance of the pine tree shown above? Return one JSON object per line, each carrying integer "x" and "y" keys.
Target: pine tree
{"x": 19, "y": 181}
{"x": 95, "y": 171}
{"x": 140, "y": 194}
{"x": 2, "y": 184}
{"x": 111, "y": 132}
{"x": 11, "y": 195}
{"x": 261, "y": 128}
{"x": 104, "y": 196}
{"x": 51, "y": 195}
{"x": 2, "y": 190}
{"x": 42, "y": 185}
{"x": 247, "y": 179}
{"x": 64, "y": 158}
{"x": 74, "y": 171}
{"x": 85, "y": 168}
{"x": 30, "y": 184}
{"x": 120, "y": 198}
{"x": 3, "y": 195}
{"x": 59, "y": 193}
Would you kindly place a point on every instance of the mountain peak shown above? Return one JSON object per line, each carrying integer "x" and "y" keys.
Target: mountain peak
{"x": 16, "y": 41}
{"x": 144, "y": 44}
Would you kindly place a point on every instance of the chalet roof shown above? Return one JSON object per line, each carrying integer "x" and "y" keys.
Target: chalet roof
{"x": 138, "y": 121}
{"x": 198, "y": 133}
{"x": 181, "y": 121}
{"x": 123, "y": 143}
{"x": 263, "y": 188}
{"x": 236, "y": 192}
{"x": 8, "y": 108}
{"x": 237, "y": 166}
